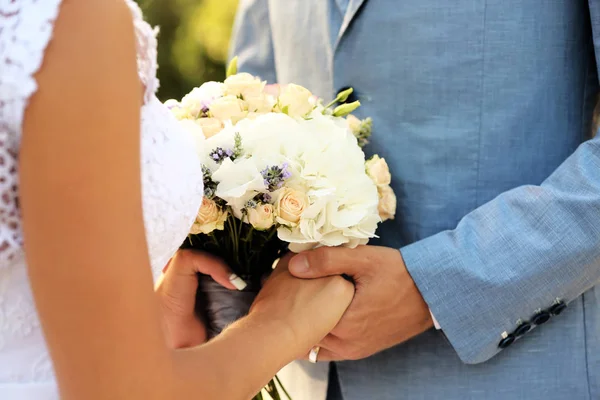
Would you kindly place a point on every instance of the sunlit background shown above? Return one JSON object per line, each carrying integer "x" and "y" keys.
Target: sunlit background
{"x": 193, "y": 41}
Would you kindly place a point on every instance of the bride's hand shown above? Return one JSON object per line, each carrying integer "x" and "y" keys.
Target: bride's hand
{"x": 176, "y": 290}
{"x": 311, "y": 308}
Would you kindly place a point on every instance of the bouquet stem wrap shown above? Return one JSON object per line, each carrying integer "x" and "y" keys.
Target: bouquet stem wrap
{"x": 250, "y": 253}
{"x": 219, "y": 307}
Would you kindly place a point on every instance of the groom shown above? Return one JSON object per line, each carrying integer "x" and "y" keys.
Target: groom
{"x": 485, "y": 288}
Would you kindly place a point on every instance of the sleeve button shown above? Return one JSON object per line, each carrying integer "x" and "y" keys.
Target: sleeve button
{"x": 522, "y": 329}
{"x": 506, "y": 341}
{"x": 558, "y": 308}
{"x": 541, "y": 318}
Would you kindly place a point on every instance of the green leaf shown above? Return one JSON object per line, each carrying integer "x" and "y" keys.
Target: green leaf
{"x": 232, "y": 67}
{"x": 286, "y": 110}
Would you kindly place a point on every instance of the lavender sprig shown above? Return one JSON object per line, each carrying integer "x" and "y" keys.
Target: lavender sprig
{"x": 274, "y": 176}
{"x": 219, "y": 154}
{"x": 238, "y": 149}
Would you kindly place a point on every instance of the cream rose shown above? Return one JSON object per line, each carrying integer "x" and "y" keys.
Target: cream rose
{"x": 387, "y": 203}
{"x": 210, "y": 126}
{"x": 290, "y": 206}
{"x": 244, "y": 85}
{"x": 261, "y": 217}
{"x": 261, "y": 103}
{"x": 379, "y": 171}
{"x": 209, "y": 218}
{"x": 228, "y": 108}
{"x": 297, "y": 99}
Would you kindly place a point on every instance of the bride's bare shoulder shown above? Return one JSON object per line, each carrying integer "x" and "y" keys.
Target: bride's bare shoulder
{"x": 93, "y": 41}
{"x": 92, "y": 55}
{"x": 87, "y": 14}
{"x": 91, "y": 34}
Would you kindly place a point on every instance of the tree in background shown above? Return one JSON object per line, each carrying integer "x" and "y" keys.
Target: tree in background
{"x": 193, "y": 41}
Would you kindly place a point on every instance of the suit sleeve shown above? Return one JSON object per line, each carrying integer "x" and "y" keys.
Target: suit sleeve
{"x": 518, "y": 257}
{"x": 252, "y": 41}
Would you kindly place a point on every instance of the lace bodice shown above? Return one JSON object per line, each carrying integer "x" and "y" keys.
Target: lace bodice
{"x": 171, "y": 184}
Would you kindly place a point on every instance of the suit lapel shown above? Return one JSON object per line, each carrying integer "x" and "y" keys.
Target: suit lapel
{"x": 351, "y": 10}
{"x": 342, "y": 5}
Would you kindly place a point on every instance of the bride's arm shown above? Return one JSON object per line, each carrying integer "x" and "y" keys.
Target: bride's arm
{"x": 85, "y": 243}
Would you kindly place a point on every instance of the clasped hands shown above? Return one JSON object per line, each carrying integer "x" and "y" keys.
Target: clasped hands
{"x": 387, "y": 308}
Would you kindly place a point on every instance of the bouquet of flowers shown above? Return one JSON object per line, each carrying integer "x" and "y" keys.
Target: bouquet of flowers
{"x": 281, "y": 171}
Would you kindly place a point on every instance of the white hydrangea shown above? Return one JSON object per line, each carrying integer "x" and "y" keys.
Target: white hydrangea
{"x": 328, "y": 198}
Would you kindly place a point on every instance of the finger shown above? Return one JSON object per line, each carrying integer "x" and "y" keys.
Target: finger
{"x": 164, "y": 270}
{"x": 326, "y": 261}
{"x": 192, "y": 262}
{"x": 185, "y": 334}
{"x": 332, "y": 343}
{"x": 284, "y": 260}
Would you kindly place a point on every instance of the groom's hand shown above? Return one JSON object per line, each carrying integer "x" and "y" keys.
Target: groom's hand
{"x": 387, "y": 308}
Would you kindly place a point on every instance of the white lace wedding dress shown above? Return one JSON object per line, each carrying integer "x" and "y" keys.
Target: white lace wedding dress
{"x": 171, "y": 182}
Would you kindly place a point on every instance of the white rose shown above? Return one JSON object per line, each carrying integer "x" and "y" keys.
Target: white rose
{"x": 210, "y": 126}
{"x": 379, "y": 171}
{"x": 261, "y": 217}
{"x": 172, "y": 103}
{"x": 297, "y": 99}
{"x": 243, "y": 84}
{"x": 180, "y": 113}
{"x": 387, "y": 203}
{"x": 228, "y": 108}
{"x": 290, "y": 206}
{"x": 209, "y": 218}
{"x": 202, "y": 96}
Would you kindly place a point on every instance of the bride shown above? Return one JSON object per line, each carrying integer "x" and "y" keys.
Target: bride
{"x": 78, "y": 315}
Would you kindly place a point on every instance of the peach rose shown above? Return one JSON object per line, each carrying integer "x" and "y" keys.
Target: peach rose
{"x": 290, "y": 206}
{"x": 379, "y": 171}
{"x": 209, "y": 218}
{"x": 387, "y": 203}
{"x": 353, "y": 124}
{"x": 261, "y": 217}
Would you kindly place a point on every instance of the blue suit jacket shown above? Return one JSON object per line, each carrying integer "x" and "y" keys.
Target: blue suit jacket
{"x": 483, "y": 110}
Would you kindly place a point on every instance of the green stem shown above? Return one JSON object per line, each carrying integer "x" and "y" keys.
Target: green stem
{"x": 234, "y": 237}
{"x": 282, "y": 387}
{"x": 271, "y": 234}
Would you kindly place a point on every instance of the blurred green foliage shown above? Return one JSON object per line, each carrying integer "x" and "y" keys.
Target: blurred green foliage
{"x": 193, "y": 41}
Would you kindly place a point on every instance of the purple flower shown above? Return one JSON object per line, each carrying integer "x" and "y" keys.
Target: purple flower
{"x": 275, "y": 176}
{"x": 219, "y": 154}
